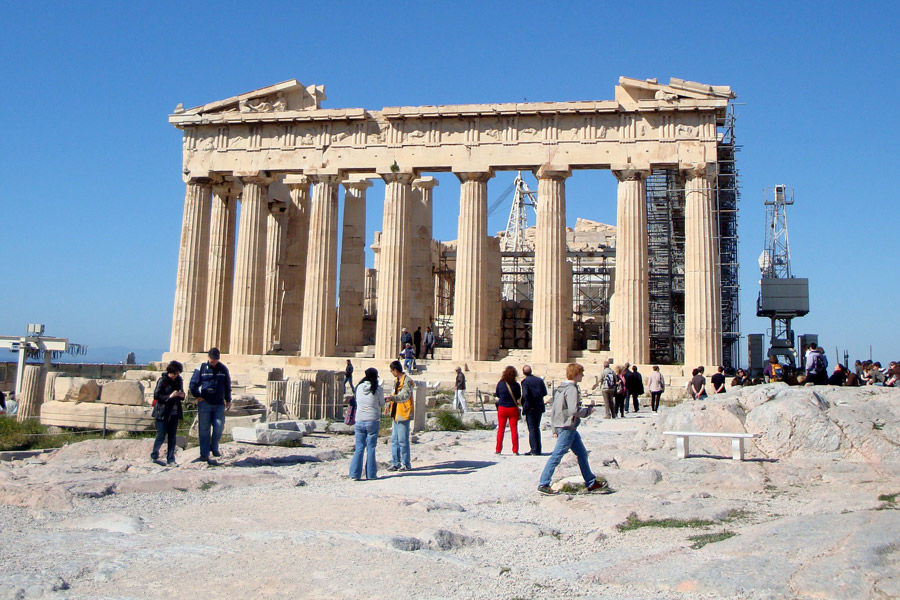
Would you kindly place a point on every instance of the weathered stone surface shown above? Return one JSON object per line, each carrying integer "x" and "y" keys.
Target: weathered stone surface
{"x": 21, "y": 586}
{"x": 443, "y": 539}
{"x": 857, "y": 423}
{"x": 127, "y": 393}
{"x": 265, "y": 436}
{"x": 340, "y": 428}
{"x": 109, "y": 522}
{"x": 91, "y": 416}
{"x": 230, "y": 424}
{"x": 81, "y": 390}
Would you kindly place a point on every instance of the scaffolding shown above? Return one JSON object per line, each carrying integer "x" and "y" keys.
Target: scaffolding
{"x": 665, "y": 253}
{"x": 727, "y": 197}
{"x": 444, "y": 289}
{"x": 592, "y": 273}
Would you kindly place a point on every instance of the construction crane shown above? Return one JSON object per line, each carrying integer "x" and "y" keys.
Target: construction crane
{"x": 782, "y": 297}
{"x": 517, "y": 286}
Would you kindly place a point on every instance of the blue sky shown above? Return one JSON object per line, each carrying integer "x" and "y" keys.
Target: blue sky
{"x": 90, "y": 209}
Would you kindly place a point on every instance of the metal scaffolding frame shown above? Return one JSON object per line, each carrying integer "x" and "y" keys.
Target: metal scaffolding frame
{"x": 727, "y": 198}
{"x": 665, "y": 253}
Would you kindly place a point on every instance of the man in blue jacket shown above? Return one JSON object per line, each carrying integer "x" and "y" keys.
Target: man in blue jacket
{"x": 533, "y": 392}
{"x": 211, "y": 386}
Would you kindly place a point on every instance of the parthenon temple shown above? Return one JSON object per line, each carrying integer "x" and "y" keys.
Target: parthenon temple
{"x": 263, "y": 271}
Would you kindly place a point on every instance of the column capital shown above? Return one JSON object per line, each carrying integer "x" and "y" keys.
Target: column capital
{"x": 208, "y": 181}
{"x": 706, "y": 171}
{"x": 404, "y": 177}
{"x": 357, "y": 182}
{"x": 260, "y": 177}
{"x": 629, "y": 172}
{"x": 225, "y": 188}
{"x": 480, "y": 176}
{"x": 425, "y": 183}
{"x": 551, "y": 171}
{"x": 277, "y": 207}
{"x": 295, "y": 180}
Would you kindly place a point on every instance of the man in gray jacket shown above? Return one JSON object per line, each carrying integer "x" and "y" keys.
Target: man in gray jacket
{"x": 608, "y": 389}
{"x": 567, "y": 413}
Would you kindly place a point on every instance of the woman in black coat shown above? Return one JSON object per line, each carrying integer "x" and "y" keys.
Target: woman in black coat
{"x": 168, "y": 411}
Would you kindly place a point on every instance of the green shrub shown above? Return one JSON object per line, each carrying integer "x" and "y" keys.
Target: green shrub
{"x": 447, "y": 421}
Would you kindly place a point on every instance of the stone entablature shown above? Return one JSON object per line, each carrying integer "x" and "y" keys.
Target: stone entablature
{"x": 648, "y": 123}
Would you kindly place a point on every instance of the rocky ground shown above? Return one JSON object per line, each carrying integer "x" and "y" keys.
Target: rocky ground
{"x": 98, "y": 520}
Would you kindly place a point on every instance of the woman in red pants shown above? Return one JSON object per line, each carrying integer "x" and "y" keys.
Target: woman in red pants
{"x": 509, "y": 397}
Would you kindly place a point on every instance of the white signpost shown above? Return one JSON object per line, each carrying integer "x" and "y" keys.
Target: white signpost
{"x": 35, "y": 341}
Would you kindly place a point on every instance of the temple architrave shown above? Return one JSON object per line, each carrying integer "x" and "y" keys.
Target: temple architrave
{"x": 259, "y": 262}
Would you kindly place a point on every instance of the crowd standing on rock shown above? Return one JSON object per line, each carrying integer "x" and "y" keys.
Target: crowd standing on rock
{"x": 509, "y": 398}
{"x": 567, "y": 412}
{"x": 533, "y": 392}
{"x": 369, "y": 404}
{"x": 401, "y": 411}
{"x": 168, "y": 411}
{"x": 211, "y": 386}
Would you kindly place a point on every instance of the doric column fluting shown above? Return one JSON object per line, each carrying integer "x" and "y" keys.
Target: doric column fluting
{"x": 352, "y": 285}
{"x": 247, "y": 315}
{"x": 630, "y": 310}
{"x": 393, "y": 263}
{"x": 552, "y": 317}
{"x": 422, "y": 275}
{"x": 274, "y": 285}
{"x": 470, "y": 296}
{"x": 702, "y": 304}
{"x": 321, "y": 268}
{"x": 189, "y": 316}
{"x": 293, "y": 268}
{"x": 221, "y": 267}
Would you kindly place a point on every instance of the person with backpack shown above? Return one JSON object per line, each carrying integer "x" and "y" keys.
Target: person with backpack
{"x": 657, "y": 385}
{"x": 211, "y": 386}
{"x": 401, "y": 411}
{"x": 167, "y": 411}
{"x": 816, "y": 366}
{"x": 774, "y": 371}
{"x": 608, "y": 389}
{"x": 369, "y": 403}
{"x": 566, "y": 414}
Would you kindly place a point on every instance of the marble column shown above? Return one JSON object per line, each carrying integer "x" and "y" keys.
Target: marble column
{"x": 422, "y": 274}
{"x": 393, "y": 265}
{"x": 221, "y": 267}
{"x": 247, "y": 314}
{"x": 470, "y": 295}
{"x": 31, "y": 393}
{"x": 702, "y": 304}
{"x": 189, "y": 316}
{"x": 274, "y": 288}
{"x": 369, "y": 307}
{"x": 321, "y": 268}
{"x": 293, "y": 268}
{"x": 352, "y": 286}
{"x": 552, "y": 312}
{"x": 630, "y": 318}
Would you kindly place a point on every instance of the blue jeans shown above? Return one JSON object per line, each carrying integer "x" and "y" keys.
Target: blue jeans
{"x": 569, "y": 439}
{"x": 409, "y": 364}
{"x": 366, "y": 440}
{"x": 400, "y": 444}
{"x": 210, "y": 415}
{"x": 165, "y": 428}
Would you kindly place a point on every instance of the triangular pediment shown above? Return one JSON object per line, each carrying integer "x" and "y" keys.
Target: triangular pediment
{"x": 288, "y": 95}
{"x": 630, "y": 91}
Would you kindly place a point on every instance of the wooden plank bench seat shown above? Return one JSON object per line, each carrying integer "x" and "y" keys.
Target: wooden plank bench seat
{"x": 682, "y": 441}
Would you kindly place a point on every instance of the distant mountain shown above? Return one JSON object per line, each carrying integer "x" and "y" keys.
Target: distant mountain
{"x": 106, "y": 355}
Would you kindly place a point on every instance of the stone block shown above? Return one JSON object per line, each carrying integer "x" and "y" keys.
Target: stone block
{"x": 265, "y": 436}
{"x": 340, "y": 428}
{"x": 90, "y": 415}
{"x": 128, "y": 393}
{"x": 81, "y": 390}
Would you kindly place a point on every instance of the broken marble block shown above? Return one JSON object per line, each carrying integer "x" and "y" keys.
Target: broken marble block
{"x": 270, "y": 434}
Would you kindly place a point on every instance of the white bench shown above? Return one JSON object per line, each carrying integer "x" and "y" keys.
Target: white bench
{"x": 682, "y": 442}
